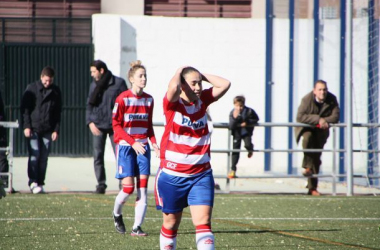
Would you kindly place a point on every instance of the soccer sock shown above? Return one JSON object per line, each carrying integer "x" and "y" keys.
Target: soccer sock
{"x": 141, "y": 202}
{"x": 168, "y": 239}
{"x": 121, "y": 198}
{"x": 204, "y": 237}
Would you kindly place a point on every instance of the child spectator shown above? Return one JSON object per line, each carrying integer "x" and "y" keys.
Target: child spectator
{"x": 242, "y": 119}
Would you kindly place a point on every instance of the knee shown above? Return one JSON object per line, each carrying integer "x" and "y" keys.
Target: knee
{"x": 307, "y": 139}
{"x": 172, "y": 221}
{"x": 128, "y": 189}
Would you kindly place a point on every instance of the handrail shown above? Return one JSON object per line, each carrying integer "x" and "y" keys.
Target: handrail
{"x": 334, "y": 150}
{"x": 9, "y": 149}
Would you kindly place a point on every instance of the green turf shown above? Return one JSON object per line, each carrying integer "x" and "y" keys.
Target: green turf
{"x": 84, "y": 221}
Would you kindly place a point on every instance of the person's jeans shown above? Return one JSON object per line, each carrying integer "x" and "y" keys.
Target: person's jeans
{"x": 99, "y": 143}
{"x": 38, "y": 148}
{"x": 4, "y": 167}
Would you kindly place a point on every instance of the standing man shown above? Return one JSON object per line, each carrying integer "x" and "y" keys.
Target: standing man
{"x": 318, "y": 108}
{"x": 41, "y": 107}
{"x": 104, "y": 89}
{"x": 4, "y": 166}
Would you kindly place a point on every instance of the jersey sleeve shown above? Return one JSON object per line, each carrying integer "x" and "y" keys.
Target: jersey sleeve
{"x": 207, "y": 97}
{"x": 118, "y": 121}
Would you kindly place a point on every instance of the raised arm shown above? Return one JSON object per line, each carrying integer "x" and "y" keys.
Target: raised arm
{"x": 220, "y": 85}
{"x": 174, "y": 88}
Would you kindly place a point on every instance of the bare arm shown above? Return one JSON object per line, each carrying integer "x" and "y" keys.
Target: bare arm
{"x": 174, "y": 88}
{"x": 220, "y": 85}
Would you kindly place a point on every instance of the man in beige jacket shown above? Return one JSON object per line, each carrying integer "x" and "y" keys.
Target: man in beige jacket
{"x": 318, "y": 108}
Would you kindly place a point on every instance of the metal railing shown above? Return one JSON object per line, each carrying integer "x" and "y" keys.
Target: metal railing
{"x": 334, "y": 151}
{"x": 9, "y": 149}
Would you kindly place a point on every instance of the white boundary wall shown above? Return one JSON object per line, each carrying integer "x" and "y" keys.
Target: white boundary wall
{"x": 234, "y": 49}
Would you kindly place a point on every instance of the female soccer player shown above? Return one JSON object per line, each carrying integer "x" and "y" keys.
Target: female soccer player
{"x": 185, "y": 175}
{"x": 132, "y": 124}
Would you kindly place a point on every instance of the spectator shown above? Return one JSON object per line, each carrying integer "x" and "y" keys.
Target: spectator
{"x": 2, "y": 190}
{"x": 41, "y": 107}
{"x": 133, "y": 126}
{"x": 318, "y": 108}
{"x": 104, "y": 89}
{"x": 185, "y": 175}
{"x": 242, "y": 119}
{"x": 4, "y": 166}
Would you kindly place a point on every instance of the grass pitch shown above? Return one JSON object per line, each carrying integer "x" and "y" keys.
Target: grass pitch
{"x": 240, "y": 221}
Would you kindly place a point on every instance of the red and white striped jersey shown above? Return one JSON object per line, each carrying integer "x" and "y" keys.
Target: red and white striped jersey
{"x": 185, "y": 145}
{"x": 132, "y": 118}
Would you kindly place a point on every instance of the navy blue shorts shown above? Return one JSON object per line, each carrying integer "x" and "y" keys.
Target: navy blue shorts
{"x": 130, "y": 164}
{"x": 174, "y": 193}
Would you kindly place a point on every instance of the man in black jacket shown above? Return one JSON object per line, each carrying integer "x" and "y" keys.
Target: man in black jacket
{"x": 104, "y": 89}
{"x": 41, "y": 108}
{"x": 4, "y": 166}
{"x": 242, "y": 119}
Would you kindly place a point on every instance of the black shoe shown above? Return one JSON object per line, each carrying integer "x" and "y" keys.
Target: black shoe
{"x": 100, "y": 190}
{"x": 119, "y": 224}
{"x": 138, "y": 232}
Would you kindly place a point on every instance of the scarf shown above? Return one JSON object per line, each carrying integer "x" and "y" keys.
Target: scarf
{"x": 101, "y": 86}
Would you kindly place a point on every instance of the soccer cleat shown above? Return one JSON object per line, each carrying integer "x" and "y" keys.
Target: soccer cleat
{"x": 232, "y": 174}
{"x": 119, "y": 224}
{"x": 35, "y": 189}
{"x": 250, "y": 154}
{"x": 138, "y": 232}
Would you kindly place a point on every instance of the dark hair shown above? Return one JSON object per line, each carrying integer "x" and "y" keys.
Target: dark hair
{"x": 320, "y": 81}
{"x": 135, "y": 65}
{"x": 47, "y": 71}
{"x": 240, "y": 99}
{"x": 186, "y": 71}
{"x": 98, "y": 64}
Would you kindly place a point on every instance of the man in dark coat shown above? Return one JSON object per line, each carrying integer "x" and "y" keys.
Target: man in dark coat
{"x": 41, "y": 107}
{"x": 104, "y": 89}
{"x": 4, "y": 166}
{"x": 318, "y": 108}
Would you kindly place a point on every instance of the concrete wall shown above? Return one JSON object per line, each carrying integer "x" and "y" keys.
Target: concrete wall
{"x": 234, "y": 49}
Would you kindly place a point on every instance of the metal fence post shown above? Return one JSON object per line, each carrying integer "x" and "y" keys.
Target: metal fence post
{"x": 229, "y": 154}
{"x": 334, "y": 163}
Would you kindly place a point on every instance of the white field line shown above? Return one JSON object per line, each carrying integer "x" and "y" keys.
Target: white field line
{"x": 159, "y": 218}
{"x": 253, "y": 197}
